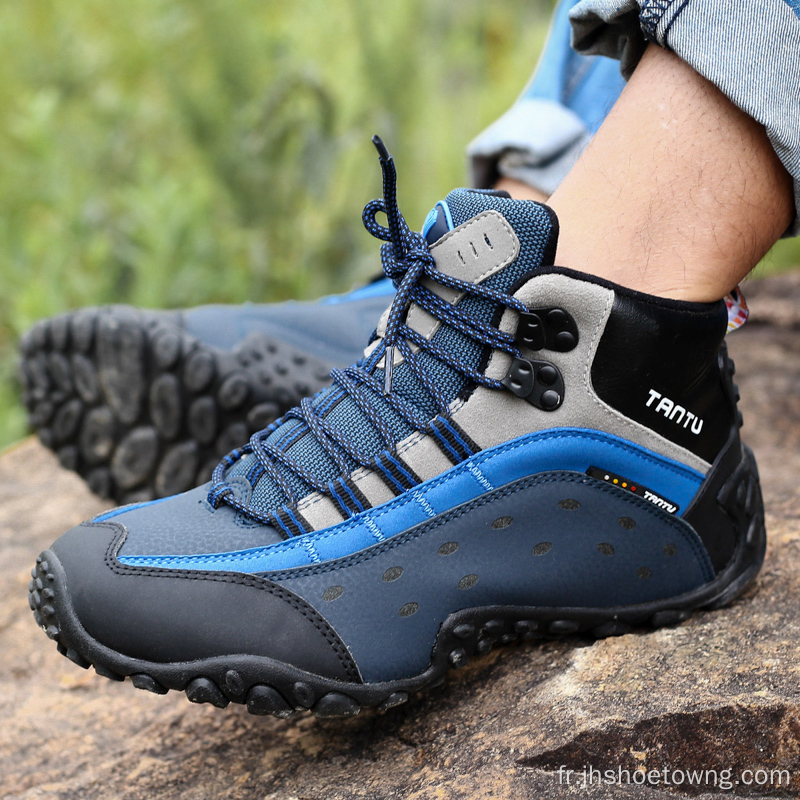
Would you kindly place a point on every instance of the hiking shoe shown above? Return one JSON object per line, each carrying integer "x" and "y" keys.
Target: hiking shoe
{"x": 143, "y": 404}
{"x": 524, "y": 451}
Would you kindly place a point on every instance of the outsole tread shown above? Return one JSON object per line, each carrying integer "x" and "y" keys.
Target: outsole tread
{"x": 123, "y": 395}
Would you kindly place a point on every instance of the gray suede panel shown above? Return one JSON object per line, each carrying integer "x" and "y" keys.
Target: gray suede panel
{"x": 492, "y": 417}
{"x": 424, "y": 456}
{"x": 371, "y": 486}
{"x": 477, "y": 249}
{"x": 320, "y": 511}
{"x": 474, "y": 251}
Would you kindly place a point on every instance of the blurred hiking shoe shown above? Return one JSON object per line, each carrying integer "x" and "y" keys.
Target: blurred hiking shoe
{"x": 525, "y": 452}
{"x": 143, "y": 404}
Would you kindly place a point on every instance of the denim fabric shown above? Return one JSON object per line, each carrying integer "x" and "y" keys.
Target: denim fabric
{"x": 539, "y": 139}
{"x": 749, "y": 50}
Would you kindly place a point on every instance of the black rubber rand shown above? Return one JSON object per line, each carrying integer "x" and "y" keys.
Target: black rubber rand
{"x": 266, "y": 686}
{"x": 141, "y": 409}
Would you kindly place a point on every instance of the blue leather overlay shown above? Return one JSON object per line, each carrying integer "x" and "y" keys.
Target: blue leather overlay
{"x": 572, "y": 449}
{"x": 604, "y": 548}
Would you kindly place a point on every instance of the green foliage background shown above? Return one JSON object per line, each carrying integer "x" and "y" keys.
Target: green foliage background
{"x": 176, "y": 152}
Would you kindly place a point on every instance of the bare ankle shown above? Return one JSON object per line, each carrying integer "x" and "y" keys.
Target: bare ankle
{"x": 680, "y": 194}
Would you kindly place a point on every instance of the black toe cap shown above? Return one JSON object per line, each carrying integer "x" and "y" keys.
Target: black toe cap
{"x": 171, "y": 616}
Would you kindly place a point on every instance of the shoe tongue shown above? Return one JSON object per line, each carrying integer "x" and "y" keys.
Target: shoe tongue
{"x": 505, "y": 241}
{"x": 440, "y": 218}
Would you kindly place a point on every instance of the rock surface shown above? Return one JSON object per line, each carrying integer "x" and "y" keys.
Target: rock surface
{"x": 720, "y": 692}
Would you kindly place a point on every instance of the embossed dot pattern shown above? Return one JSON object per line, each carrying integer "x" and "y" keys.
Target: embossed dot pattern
{"x": 392, "y": 574}
{"x": 644, "y": 572}
{"x": 627, "y": 523}
{"x": 332, "y": 593}
{"x": 408, "y": 609}
{"x": 549, "y": 556}
{"x": 569, "y": 504}
{"x": 502, "y": 522}
{"x": 468, "y": 581}
{"x": 670, "y": 549}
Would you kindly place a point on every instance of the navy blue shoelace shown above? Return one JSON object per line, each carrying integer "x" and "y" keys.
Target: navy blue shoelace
{"x": 406, "y": 260}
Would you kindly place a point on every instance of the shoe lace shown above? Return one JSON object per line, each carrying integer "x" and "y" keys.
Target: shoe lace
{"x": 406, "y": 260}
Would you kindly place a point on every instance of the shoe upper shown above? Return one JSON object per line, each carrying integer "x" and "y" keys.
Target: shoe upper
{"x": 515, "y": 434}
{"x": 333, "y": 328}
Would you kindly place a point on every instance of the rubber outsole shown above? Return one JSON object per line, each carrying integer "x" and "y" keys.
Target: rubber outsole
{"x": 141, "y": 409}
{"x": 270, "y": 687}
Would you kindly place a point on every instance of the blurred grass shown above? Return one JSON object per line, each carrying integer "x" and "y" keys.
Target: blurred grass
{"x": 170, "y": 153}
{"x": 175, "y": 153}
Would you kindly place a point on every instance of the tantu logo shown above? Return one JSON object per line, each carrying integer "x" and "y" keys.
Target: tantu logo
{"x": 672, "y": 411}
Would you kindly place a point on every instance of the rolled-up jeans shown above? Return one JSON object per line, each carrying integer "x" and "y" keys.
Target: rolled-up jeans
{"x": 750, "y": 49}
{"x": 544, "y": 132}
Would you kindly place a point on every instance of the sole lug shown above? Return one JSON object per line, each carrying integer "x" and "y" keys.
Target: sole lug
{"x": 613, "y": 627}
{"x": 98, "y": 435}
{"x": 121, "y": 362}
{"x": 563, "y": 627}
{"x": 76, "y": 658}
{"x": 177, "y": 470}
{"x": 304, "y": 695}
{"x": 66, "y": 420}
{"x": 87, "y": 382}
{"x": 135, "y": 458}
{"x": 394, "y": 699}
{"x": 143, "y": 681}
{"x": 334, "y": 704}
{"x": 662, "y": 619}
{"x": 166, "y": 406}
{"x": 199, "y": 371}
{"x": 103, "y": 670}
{"x": 264, "y": 700}
{"x": 204, "y": 690}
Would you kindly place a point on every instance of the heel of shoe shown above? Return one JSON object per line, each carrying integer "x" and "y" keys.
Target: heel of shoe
{"x": 740, "y": 498}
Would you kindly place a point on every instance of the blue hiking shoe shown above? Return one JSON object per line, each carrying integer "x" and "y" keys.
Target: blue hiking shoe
{"x": 143, "y": 404}
{"x": 524, "y": 451}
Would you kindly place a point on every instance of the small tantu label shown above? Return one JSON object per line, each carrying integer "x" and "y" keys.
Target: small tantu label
{"x": 634, "y": 487}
